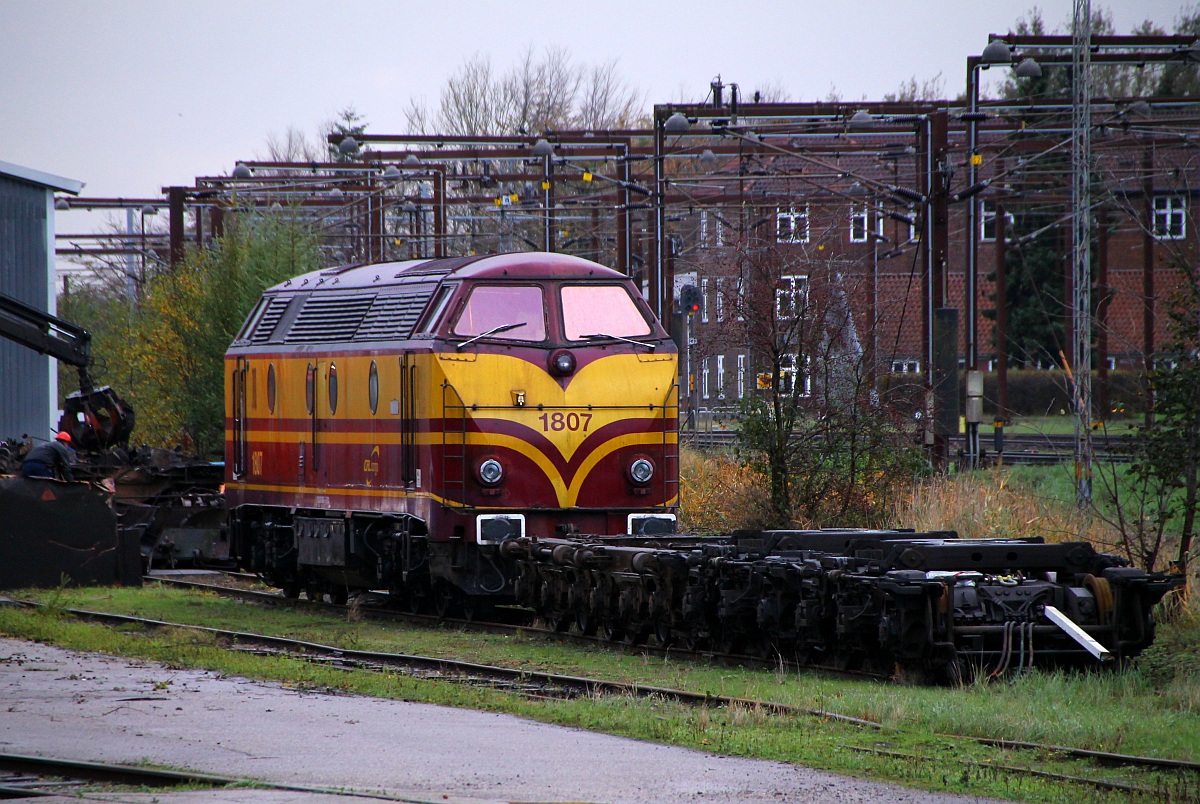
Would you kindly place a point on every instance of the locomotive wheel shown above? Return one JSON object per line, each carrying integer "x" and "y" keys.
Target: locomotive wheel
{"x": 291, "y": 589}
{"x": 558, "y": 623}
{"x": 446, "y": 601}
{"x": 476, "y": 608}
{"x": 663, "y": 634}
{"x": 338, "y": 595}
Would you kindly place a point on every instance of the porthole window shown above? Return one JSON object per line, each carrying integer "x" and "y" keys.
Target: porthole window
{"x": 271, "y": 388}
{"x": 333, "y": 389}
{"x": 373, "y": 387}
{"x": 310, "y": 388}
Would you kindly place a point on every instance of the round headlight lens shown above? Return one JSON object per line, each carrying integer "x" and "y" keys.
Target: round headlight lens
{"x": 641, "y": 470}
{"x": 491, "y": 472}
{"x": 562, "y": 364}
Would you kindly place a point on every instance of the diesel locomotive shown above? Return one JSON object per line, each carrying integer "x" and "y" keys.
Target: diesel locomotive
{"x": 389, "y": 425}
{"x": 467, "y": 431}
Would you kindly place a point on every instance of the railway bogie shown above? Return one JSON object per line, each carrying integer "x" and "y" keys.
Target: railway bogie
{"x": 927, "y": 603}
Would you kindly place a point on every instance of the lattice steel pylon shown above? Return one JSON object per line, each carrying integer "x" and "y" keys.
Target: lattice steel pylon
{"x": 1081, "y": 245}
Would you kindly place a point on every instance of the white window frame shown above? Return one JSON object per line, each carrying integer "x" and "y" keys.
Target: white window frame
{"x": 719, "y": 300}
{"x": 791, "y": 224}
{"x": 741, "y": 376}
{"x": 720, "y": 376}
{"x": 791, "y": 295}
{"x": 741, "y": 298}
{"x": 704, "y": 300}
{"x": 1170, "y": 217}
{"x": 987, "y": 221}
{"x": 703, "y": 228}
{"x": 787, "y": 375}
{"x": 860, "y": 222}
{"x": 704, "y": 378}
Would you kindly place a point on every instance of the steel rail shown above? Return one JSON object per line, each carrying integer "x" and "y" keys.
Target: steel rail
{"x": 109, "y": 773}
{"x": 494, "y": 627}
{"x": 309, "y": 650}
{"x": 582, "y": 684}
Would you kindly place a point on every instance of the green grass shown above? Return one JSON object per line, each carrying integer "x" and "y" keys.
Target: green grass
{"x": 1149, "y": 710}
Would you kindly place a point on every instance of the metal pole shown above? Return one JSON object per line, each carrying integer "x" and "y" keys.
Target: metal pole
{"x": 1081, "y": 251}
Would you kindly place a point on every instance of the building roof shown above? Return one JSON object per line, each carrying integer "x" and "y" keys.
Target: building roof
{"x": 38, "y": 177}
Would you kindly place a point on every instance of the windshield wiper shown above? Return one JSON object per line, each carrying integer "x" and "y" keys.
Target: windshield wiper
{"x": 492, "y": 331}
{"x": 649, "y": 346}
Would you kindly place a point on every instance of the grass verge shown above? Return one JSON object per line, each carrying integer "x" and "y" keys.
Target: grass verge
{"x": 1149, "y": 710}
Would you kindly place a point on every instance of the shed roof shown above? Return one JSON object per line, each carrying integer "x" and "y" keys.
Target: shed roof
{"x": 38, "y": 177}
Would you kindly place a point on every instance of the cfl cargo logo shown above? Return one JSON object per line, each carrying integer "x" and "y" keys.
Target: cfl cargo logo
{"x": 371, "y": 466}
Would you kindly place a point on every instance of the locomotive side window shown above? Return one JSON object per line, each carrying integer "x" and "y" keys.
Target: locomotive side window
{"x": 373, "y": 387}
{"x": 310, "y": 388}
{"x": 601, "y": 310}
{"x": 433, "y": 314}
{"x": 271, "y": 387}
{"x": 333, "y": 389}
{"x": 514, "y": 311}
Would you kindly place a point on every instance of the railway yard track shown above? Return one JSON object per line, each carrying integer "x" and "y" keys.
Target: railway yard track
{"x": 30, "y": 777}
{"x": 533, "y": 684}
{"x": 1038, "y": 449}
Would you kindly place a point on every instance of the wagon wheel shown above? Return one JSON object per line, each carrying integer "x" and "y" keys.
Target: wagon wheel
{"x": 731, "y": 640}
{"x": 612, "y": 630}
{"x": 663, "y": 633}
{"x": 291, "y": 589}
{"x": 693, "y": 642}
{"x": 338, "y": 595}
{"x": 636, "y": 634}
{"x": 558, "y": 623}
{"x": 585, "y": 621}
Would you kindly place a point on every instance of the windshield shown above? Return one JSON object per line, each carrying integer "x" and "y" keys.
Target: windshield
{"x": 601, "y": 310}
{"x": 492, "y": 308}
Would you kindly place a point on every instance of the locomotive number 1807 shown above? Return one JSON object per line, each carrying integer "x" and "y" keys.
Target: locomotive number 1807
{"x": 558, "y": 421}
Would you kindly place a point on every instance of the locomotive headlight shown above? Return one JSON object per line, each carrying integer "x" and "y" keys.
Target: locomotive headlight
{"x": 641, "y": 470}
{"x": 490, "y": 472}
{"x": 562, "y": 363}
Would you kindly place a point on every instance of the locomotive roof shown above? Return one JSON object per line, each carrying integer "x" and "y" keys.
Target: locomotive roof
{"x": 517, "y": 265}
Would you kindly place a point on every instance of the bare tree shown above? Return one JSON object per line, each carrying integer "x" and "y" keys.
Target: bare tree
{"x": 293, "y": 145}
{"x": 607, "y": 101}
{"x": 537, "y": 94}
{"x": 815, "y": 425}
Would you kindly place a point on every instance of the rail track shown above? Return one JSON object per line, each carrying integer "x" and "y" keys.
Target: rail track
{"x": 542, "y": 685}
{"x": 510, "y": 621}
{"x": 1041, "y": 449}
{"x": 26, "y": 777}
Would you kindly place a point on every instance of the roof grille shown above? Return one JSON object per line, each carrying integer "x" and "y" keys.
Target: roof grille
{"x": 329, "y": 318}
{"x": 269, "y": 319}
{"x": 394, "y": 316}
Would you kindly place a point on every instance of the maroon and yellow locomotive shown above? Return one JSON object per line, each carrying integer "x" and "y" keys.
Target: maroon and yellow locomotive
{"x": 389, "y": 425}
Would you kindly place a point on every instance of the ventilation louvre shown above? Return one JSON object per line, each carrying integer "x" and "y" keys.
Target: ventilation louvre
{"x": 393, "y": 316}
{"x": 269, "y": 319}
{"x": 329, "y": 318}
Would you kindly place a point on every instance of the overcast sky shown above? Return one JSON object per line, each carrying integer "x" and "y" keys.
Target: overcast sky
{"x": 130, "y": 97}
